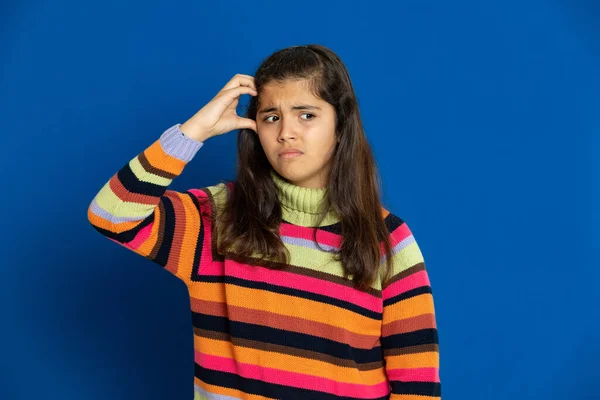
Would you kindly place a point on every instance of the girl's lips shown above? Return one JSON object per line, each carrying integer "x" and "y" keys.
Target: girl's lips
{"x": 290, "y": 155}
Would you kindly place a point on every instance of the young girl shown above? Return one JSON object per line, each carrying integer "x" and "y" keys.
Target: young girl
{"x": 302, "y": 286}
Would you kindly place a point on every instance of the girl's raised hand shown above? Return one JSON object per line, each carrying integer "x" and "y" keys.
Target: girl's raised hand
{"x": 219, "y": 116}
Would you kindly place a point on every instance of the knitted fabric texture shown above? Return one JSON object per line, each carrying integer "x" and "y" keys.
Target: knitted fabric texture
{"x": 301, "y": 332}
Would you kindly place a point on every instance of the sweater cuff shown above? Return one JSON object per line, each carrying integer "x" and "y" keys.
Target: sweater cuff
{"x": 177, "y": 144}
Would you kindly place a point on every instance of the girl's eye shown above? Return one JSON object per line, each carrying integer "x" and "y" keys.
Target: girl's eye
{"x": 274, "y": 116}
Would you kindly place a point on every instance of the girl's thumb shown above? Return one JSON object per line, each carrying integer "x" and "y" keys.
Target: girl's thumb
{"x": 246, "y": 123}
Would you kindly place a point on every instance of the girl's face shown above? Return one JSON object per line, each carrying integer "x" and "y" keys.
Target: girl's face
{"x": 291, "y": 118}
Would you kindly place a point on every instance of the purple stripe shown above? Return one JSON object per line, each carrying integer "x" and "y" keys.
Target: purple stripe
{"x": 178, "y": 145}
{"x": 306, "y": 243}
{"x": 99, "y": 211}
{"x": 399, "y": 246}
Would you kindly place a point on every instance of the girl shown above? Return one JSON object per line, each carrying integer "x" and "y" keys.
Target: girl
{"x": 302, "y": 286}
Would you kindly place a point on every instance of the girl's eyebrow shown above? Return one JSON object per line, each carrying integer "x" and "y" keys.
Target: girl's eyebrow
{"x": 298, "y": 107}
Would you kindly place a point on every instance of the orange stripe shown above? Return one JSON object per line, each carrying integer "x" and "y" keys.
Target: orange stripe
{"x": 408, "y": 308}
{"x": 423, "y": 321}
{"x": 146, "y": 247}
{"x": 125, "y": 195}
{"x": 288, "y": 362}
{"x": 179, "y": 218}
{"x": 414, "y": 360}
{"x": 413, "y": 397}
{"x": 108, "y": 225}
{"x": 291, "y": 306}
{"x": 159, "y": 159}
{"x": 243, "y": 314}
{"x": 189, "y": 227}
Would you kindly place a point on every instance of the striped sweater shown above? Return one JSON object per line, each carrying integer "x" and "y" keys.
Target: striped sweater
{"x": 301, "y": 332}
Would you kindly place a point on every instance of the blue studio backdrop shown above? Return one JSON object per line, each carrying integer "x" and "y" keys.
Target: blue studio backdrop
{"x": 484, "y": 120}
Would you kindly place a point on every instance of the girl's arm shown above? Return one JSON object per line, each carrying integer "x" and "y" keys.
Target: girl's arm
{"x": 409, "y": 336}
{"x": 135, "y": 209}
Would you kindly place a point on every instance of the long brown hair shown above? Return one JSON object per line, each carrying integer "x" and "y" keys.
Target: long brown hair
{"x": 252, "y": 214}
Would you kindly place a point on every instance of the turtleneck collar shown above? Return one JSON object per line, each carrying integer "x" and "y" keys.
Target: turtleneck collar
{"x": 301, "y": 205}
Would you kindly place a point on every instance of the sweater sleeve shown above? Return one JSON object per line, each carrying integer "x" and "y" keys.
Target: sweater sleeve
{"x": 409, "y": 336}
{"x": 135, "y": 209}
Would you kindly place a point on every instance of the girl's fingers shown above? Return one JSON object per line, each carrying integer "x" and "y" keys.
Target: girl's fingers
{"x": 234, "y": 93}
{"x": 240, "y": 80}
{"x": 245, "y": 123}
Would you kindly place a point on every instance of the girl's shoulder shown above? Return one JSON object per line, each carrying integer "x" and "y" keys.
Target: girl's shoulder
{"x": 212, "y": 198}
{"x": 392, "y": 221}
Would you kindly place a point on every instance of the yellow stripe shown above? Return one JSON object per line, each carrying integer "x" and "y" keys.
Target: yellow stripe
{"x": 110, "y": 202}
{"x": 407, "y": 257}
{"x": 314, "y": 259}
{"x": 145, "y": 176}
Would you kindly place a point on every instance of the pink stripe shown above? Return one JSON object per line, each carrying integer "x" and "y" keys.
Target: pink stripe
{"x": 323, "y": 237}
{"x": 141, "y": 237}
{"x": 206, "y": 261}
{"x": 398, "y": 235}
{"x": 295, "y": 281}
{"x": 414, "y": 374}
{"x": 198, "y": 193}
{"x": 281, "y": 377}
{"x": 412, "y": 281}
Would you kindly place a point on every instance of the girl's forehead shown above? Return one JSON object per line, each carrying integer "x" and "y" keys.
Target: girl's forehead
{"x": 286, "y": 92}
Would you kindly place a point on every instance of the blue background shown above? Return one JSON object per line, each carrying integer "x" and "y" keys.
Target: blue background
{"x": 484, "y": 119}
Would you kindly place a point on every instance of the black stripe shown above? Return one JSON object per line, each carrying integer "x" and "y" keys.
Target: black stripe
{"x": 134, "y": 185}
{"x": 415, "y": 338}
{"x": 408, "y": 294}
{"x": 293, "y": 292}
{"x": 335, "y": 228}
{"x": 393, "y": 222}
{"x": 128, "y": 235}
{"x": 262, "y": 388}
{"x": 200, "y": 241}
{"x": 418, "y": 388}
{"x": 280, "y": 337}
{"x": 167, "y": 230}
